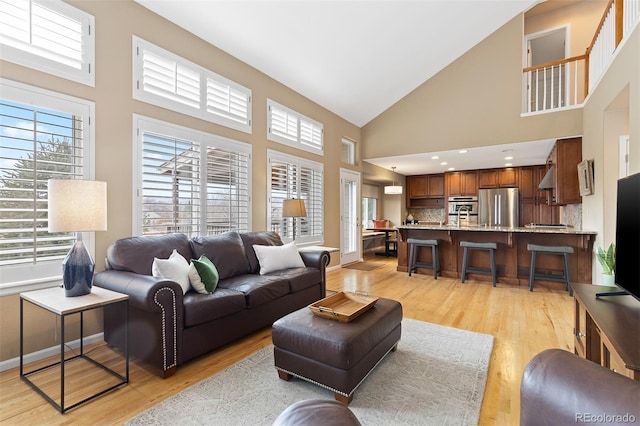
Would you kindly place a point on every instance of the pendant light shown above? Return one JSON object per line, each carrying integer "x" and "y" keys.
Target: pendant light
{"x": 393, "y": 189}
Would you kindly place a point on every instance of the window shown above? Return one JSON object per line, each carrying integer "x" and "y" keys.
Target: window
{"x": 369, "y": 206}
{"x": 348, "y": 151}
{"x": 291, "y": 128}
{"x": 43, "y": 135}
{"x": 169, "y": 81}
{"x": 293, "y": 177}
{"x": 50, "y": 36}
{"x": 189, "y": 182}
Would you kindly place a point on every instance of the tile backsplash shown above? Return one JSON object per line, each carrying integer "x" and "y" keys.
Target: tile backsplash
{"x": 427, "y": 215}
{"x": 572, "y": 215}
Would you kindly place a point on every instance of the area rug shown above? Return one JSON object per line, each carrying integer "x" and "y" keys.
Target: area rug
{"x": 364, "y": 266}
{"x": 436, "y": 376}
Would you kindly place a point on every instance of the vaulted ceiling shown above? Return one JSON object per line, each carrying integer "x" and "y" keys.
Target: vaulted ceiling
{"x": 355, "y": 58}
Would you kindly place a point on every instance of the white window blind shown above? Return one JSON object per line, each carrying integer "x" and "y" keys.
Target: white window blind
{"x": 294, "y": 129}
{"x": 170, "y": 81}
{"x": 51, "y": 36}
{"x": 43, "y": 136}
{"x": 293, "y": 177}
{"x": 190, "y": 182}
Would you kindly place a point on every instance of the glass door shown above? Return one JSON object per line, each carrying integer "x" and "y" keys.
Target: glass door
{"x": 350, "y": 227}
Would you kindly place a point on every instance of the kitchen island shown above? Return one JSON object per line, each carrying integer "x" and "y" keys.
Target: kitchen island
{"x": 512, "y": 257}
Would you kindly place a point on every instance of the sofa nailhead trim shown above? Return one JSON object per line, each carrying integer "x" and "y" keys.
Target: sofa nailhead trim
{"x": 164, "y": 331}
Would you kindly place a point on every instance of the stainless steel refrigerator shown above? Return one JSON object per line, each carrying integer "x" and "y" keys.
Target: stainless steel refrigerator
{"x": 499, "y": 207}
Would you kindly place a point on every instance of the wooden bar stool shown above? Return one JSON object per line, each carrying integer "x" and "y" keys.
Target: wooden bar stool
{"x": 491, "y": 248}
{"x": 414, "y": 245}
{"x": 563, "y": 251}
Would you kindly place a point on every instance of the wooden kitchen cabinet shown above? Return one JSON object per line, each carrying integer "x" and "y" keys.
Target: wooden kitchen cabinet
{"x": 417, "y": 186}
{"x": 534, "y": 207}
{"x": 463, "y": 184}
{"x": 607, "y": 330}
{"x": 498, "y": 178}
{"x": 425, "y": 186}
{"x": 425, "y": 191}
{"x": 564, "y": 157}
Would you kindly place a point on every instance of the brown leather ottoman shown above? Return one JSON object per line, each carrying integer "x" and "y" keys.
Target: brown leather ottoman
{"x": 333, "y": 354}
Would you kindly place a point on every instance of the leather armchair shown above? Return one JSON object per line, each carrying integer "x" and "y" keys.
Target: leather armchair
{"x": 560, "y": 388}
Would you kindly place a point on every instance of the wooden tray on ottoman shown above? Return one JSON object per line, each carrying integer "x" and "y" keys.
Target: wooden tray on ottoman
{"x": 343, "y": 306}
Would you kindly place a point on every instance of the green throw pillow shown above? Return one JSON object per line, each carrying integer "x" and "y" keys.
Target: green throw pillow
{"x": 208, "y": 273}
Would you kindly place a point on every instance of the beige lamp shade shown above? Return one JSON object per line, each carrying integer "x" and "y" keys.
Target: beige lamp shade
{"x": 77, "y": 205}
{"x": 293, "y": 208}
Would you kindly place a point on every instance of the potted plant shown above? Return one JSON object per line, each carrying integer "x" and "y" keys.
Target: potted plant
{"x": 607, "y": 260}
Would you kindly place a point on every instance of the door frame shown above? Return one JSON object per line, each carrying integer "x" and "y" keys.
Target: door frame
{"x": 350, "y": 229}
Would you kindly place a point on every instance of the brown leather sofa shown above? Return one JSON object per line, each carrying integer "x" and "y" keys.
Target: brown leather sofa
{"x": 560, "y": 388}
{"x": 168, "y": 328}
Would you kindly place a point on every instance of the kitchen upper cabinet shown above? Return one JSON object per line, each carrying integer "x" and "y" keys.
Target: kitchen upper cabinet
{"x": 425, "y": 186}
{"x": 564, "y": 158}
{"x": 498, "y": 178}
{"x": 417, "y": 186}
{"x": 425, "y": 191}
{"x": 462, "y": 183}
{"x": 534, "y": 207}
{"x": 435, "y": 186}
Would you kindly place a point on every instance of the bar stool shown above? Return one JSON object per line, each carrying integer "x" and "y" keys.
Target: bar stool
{"x": 490, "y": 247}
{"x": 414, "y": 245}
{"x": 563, "y": 251}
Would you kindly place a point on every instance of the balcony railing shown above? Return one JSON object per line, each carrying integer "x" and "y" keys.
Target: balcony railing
{"x": 565, "y": 83}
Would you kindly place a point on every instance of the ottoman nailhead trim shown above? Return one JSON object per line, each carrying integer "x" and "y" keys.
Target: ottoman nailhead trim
{"x": 164, "y": 331}
{"x": 335, "y": 390}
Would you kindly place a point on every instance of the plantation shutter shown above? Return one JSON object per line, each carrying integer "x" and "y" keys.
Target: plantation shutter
{"x": 293, "y": 177}
{"x": 35, "y": 145}
{"x": 310, "y": 134}
{"x": 170, "y": 81}
{"x": 226, "y": 101}
{"x": 311, "y": 193}
{"x": 50, "y": 31}
{"x": 170, "y": 186}
{"x": 284, "y": 178}
{"x": 167, "y": 78}
{"x": 283, "y": 124}
{"x": 227, "y": 207}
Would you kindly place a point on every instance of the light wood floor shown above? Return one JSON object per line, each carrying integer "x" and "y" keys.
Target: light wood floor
{"x": 523, "y": 324}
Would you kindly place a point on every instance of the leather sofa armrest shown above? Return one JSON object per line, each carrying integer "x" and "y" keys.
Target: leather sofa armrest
{"x": 559, "y": 387}
{"x": 318, "y": 259}
{"x": 143, "y": 290}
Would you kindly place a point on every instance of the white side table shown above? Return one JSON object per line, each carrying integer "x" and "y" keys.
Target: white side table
{"x": 55, "y": 301}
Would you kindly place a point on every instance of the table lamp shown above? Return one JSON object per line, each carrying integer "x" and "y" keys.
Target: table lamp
{"x": 293, "y": 208}
{"x": 77, "y": 206}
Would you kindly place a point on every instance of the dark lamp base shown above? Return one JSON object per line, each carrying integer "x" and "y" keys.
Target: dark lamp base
{"x": 77, "y": 271}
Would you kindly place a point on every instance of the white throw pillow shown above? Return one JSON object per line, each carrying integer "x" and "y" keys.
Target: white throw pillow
{"x": 275, "y": 258}
{"x": 175, "y": 268}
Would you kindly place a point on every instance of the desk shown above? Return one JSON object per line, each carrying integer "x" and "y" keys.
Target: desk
{"x": 387, "y": 241}
{"x": 54, "y": 300}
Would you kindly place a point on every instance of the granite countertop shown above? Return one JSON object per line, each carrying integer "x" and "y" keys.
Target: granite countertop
{"x": 481, "y": 228}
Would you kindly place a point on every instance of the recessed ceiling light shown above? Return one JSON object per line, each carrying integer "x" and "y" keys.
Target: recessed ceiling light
{"x": 435, "y": 157}
{"x": 508, "y": 164}
{"x": 463, "y": 151}
{"x": 451, "y": 168}
{"x": 444, "y": 163}
{"x": 508, "y": 158}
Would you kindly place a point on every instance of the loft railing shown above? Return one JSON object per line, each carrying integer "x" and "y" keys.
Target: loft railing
{"x": 564, "y": 83}
{"x": 555, "y": 84}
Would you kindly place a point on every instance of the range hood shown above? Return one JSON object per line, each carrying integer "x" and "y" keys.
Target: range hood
{"x": 547, "y": 181}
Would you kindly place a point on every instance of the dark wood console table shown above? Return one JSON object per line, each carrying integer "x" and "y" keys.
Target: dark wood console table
{"x": 607, "y": 330}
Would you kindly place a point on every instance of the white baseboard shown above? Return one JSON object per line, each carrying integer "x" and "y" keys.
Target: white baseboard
{"x": 45, "y": 353}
